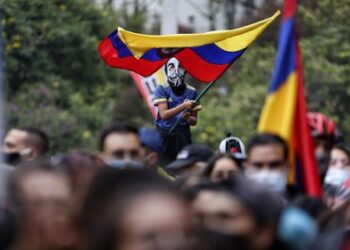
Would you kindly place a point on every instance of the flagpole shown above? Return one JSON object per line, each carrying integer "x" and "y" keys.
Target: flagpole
{"x": 201, "y": 94}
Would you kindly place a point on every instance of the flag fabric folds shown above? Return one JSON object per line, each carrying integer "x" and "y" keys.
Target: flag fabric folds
{"x": 205, "y": 56}
{"x": 284, "y": 112}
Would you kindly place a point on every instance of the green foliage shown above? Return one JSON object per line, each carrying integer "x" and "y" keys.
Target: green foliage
{"x": 326, "y": 52}
{"x": 54, "y": 38}
{"x": 73, "y": 126}
{"x": 55, "y": 77}
{"x": 234, "y": 104}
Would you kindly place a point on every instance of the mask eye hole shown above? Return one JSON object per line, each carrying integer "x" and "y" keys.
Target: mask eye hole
{"x": 181, "y": 70}
{"x": 171, "y": 68}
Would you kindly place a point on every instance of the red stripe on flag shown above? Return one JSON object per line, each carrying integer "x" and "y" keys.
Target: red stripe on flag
{"x": 304, "y": 143}
{"x": 111, "y": 58}
{"x": 289, "y": 9}
{"x": 199, "y": 68}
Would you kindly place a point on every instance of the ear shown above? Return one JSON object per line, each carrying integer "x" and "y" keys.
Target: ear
{"x": 29, "y": 153}
{"x": 34, "y": 152}
{"x": 153, "y": 158}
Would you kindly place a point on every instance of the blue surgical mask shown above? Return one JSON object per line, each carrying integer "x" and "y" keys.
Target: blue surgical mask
{"x": 274, "y": 180}
{"x": 336, "y": 176}
{"x": 122, "y": 164}
{"x": 297, "y": 228}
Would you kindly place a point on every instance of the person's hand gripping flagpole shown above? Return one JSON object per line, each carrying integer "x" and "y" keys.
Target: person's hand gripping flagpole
{"x": 201, "y": 94}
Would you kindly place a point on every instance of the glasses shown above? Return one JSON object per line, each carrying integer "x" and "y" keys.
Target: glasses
{"x": 124, "y": 154}
{"x": 272, "y": 164}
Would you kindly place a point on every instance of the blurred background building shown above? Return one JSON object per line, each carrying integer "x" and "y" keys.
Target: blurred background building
{"x": 193, "y": 16}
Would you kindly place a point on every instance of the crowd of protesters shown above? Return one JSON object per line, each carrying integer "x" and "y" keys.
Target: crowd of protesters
{"x": 125, "y": 197}
{"x": 152, "y": 189}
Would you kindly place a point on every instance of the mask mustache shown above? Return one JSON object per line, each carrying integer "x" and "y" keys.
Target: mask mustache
{"x": 175, "y": 80}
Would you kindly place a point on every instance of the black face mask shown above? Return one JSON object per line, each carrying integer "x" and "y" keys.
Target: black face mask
{"x": 12, "y": 158}
{"x": 179, "y": 90}
{"x": 221, "y": 241}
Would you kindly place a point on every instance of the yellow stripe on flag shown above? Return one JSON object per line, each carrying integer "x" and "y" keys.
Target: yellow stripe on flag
{"x": 160, "y": 76}
{"x": 278, "y": 112}
{"x": 277, "y": 117}
{"x": 229, "y": 40}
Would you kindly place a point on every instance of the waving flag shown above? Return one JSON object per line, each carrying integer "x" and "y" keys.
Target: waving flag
{"x": 284, "y": 112}
{"x": 205, "y": 56}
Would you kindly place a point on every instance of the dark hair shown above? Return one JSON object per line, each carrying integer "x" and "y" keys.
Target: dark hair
{"x": 37, "y": 138}
{"x": 264, "y": 139}
{"x": 311, "y": 205}
{"x": 251, "y": 196}
{"x": 75, "y": 163}
{"x": 107, "y": 200}
{"x": 212, "y": 161}
{"x": 342, "y": 147}
{"x": 116, "y": 127}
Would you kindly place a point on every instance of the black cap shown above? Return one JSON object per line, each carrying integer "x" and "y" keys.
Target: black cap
{"x": 189, "y": 155}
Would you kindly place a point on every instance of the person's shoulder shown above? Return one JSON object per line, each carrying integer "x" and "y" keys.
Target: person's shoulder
{"x": 163, "y": 87}
{"x": 161, "y": 94}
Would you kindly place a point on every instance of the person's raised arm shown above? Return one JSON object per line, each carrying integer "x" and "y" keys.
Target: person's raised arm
{"x": 166, "y": 113}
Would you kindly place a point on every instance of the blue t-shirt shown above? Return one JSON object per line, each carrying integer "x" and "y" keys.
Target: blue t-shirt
{"x": 164, "y": 93}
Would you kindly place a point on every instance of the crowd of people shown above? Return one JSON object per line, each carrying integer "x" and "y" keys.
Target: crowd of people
{"x": 127, "y": 197}
{"x": 153, "y": 189}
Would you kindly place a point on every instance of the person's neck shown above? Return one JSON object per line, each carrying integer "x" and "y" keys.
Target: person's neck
{"x": 31, "y": 240}
{"x": 179, "y": 90}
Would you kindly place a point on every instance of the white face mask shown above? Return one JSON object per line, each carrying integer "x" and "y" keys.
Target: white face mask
{"x": 275, "y": 180}
{"x": 175, "y": 72}
{"x": 336, "y": 176}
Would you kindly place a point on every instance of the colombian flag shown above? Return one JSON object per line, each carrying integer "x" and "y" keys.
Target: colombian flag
{"x": 284, "y": 112}
{"x": 205, "y": 56}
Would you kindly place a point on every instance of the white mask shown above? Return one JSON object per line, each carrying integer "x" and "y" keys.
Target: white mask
{"x": 336, "y": 176}
{"x": 275, "y": 180}
{"x": 175, "y": 72}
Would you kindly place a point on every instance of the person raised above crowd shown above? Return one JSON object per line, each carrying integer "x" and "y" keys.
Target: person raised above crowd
{"x": 175, "y": 100}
